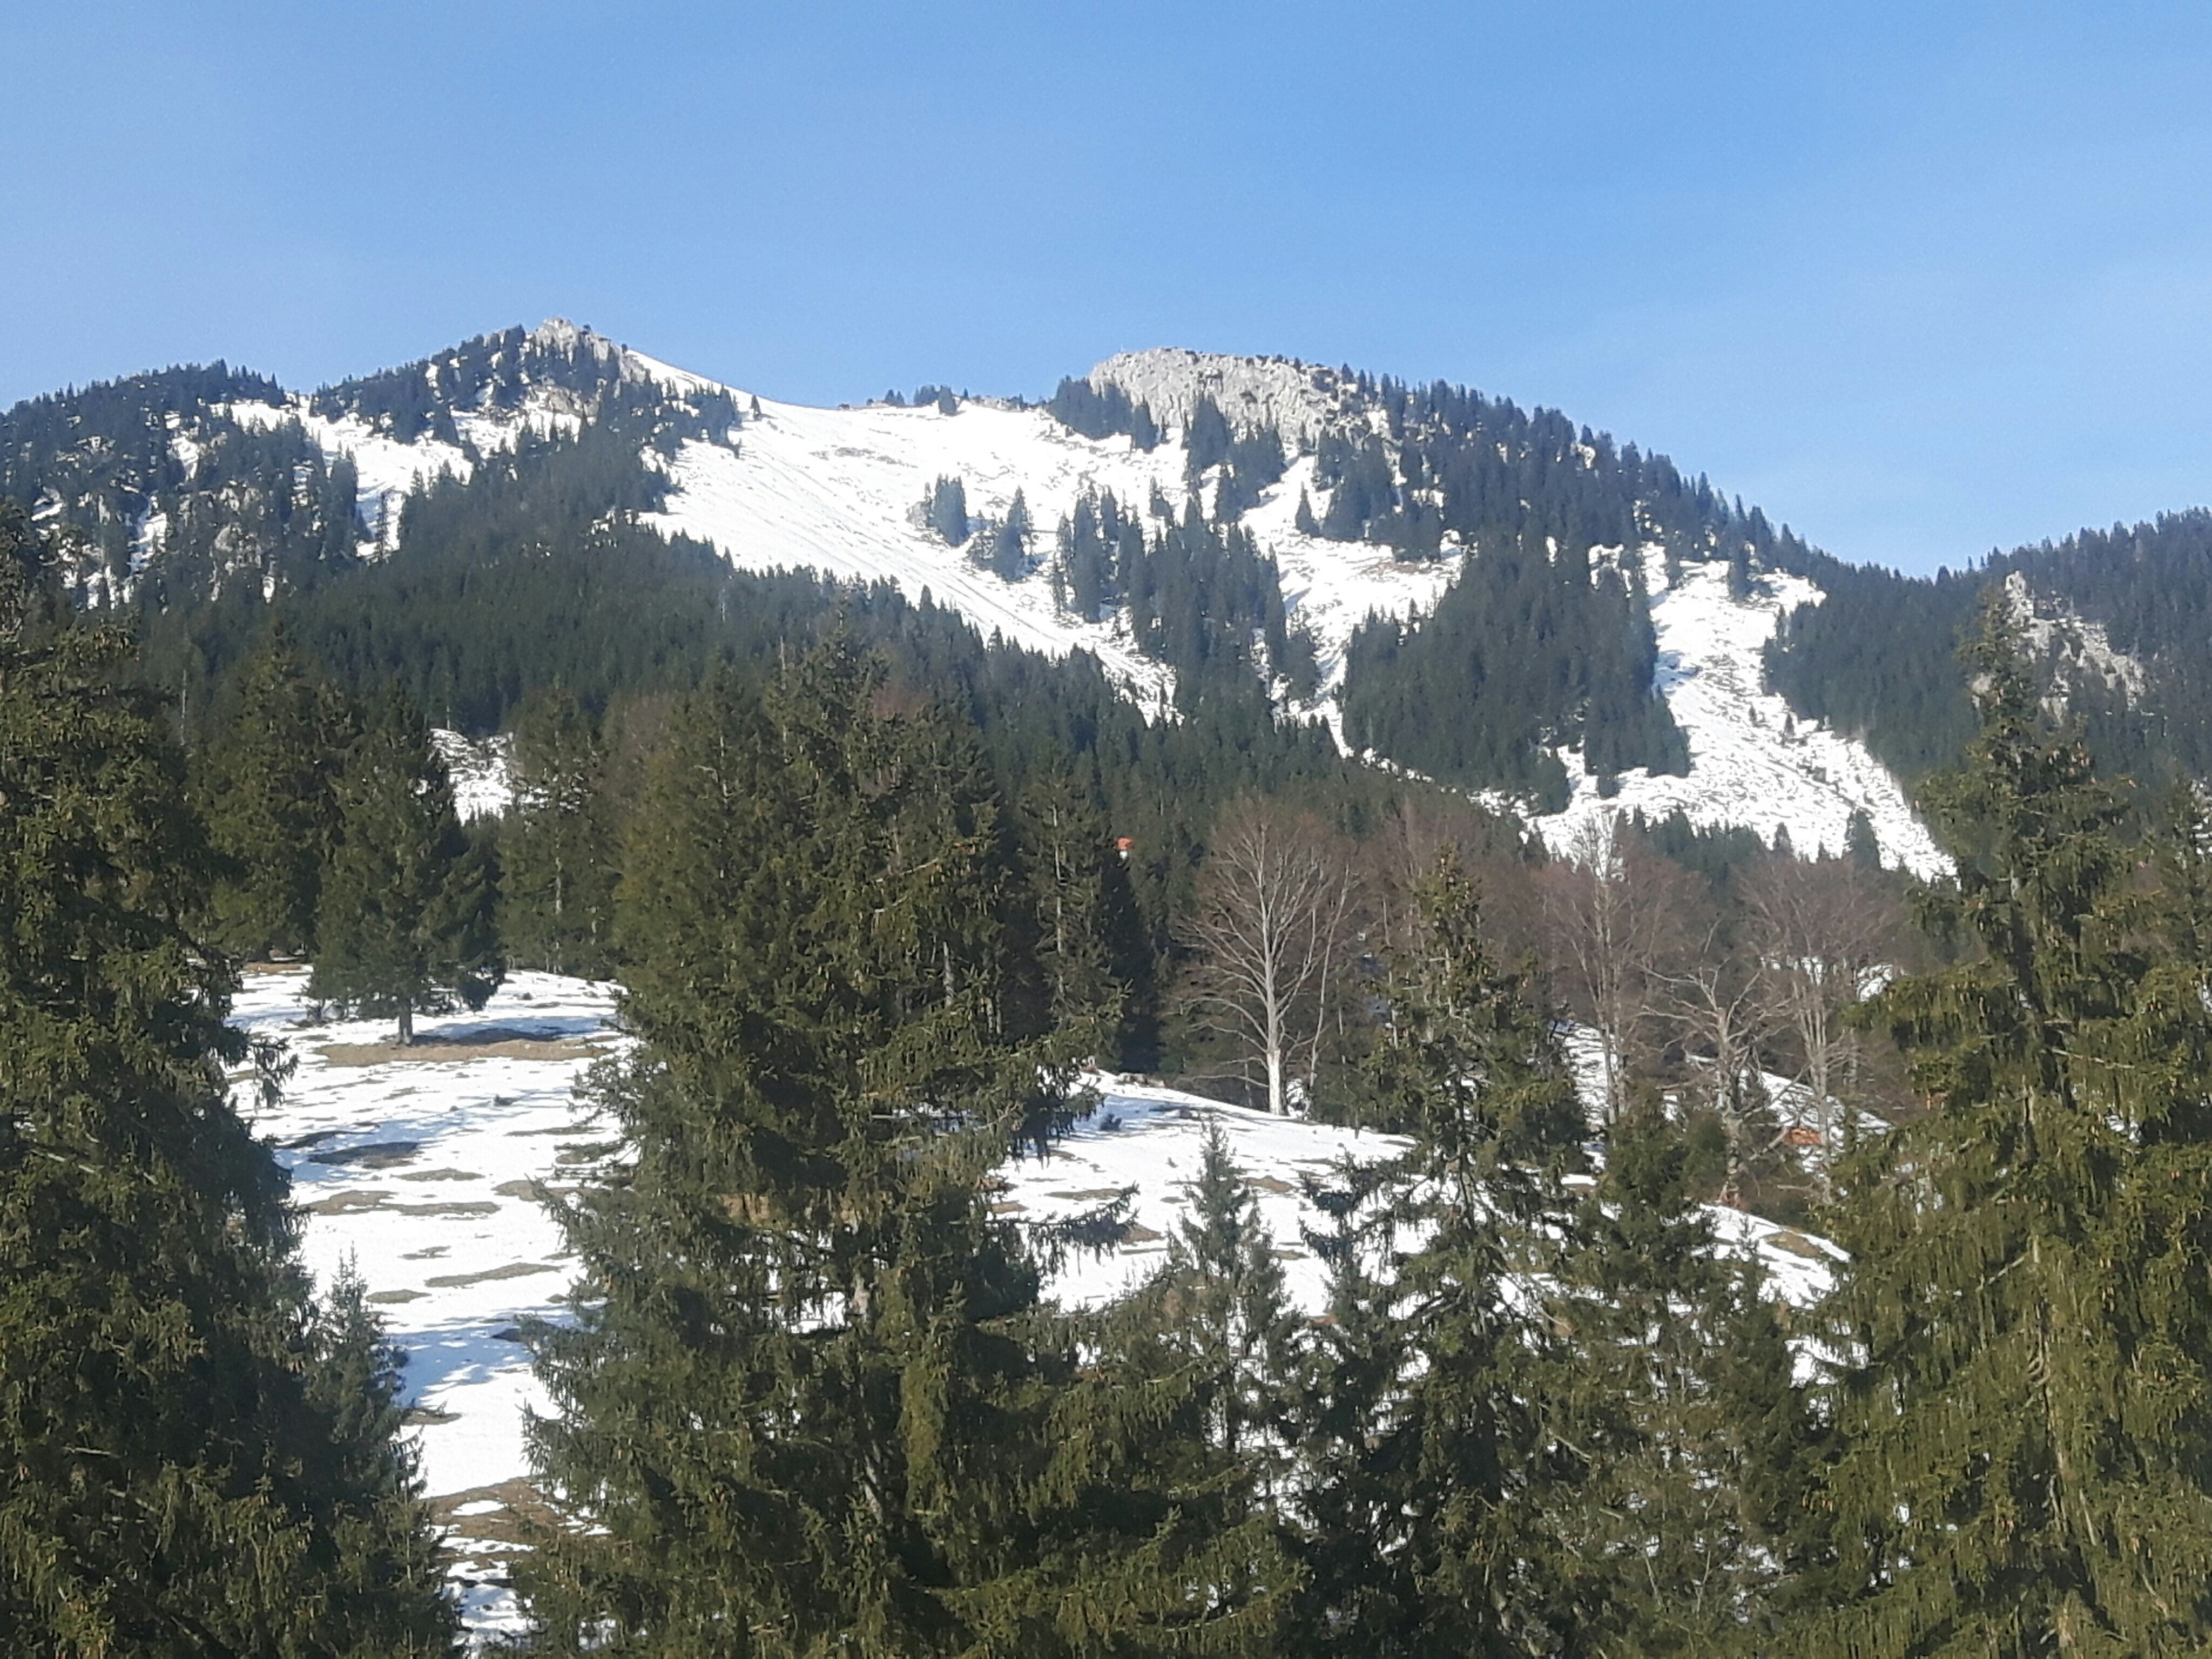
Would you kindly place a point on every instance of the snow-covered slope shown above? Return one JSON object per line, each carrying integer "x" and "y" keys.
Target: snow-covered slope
{"x": 841, "y": 490}
{"x": 482, "y": 773}
{"x": 426, "y": 1169}
{"x": 1752, "y": 762}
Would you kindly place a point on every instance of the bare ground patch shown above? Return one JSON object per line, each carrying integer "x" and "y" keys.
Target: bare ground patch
{"x": 494, "y": 1042}
{"x": 512, "y": 1270}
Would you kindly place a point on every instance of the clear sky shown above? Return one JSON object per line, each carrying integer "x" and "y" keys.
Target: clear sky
{"x": 1918, "y": 278}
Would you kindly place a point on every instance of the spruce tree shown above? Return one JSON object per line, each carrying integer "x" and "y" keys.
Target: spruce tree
{"x": 1357, "y": 1445}
{"x": 1461, "y": 1463}
{"x": 1009, "y": 551}
{"x": 813, "y": 1403}
{"x": 2022, "y": 1332}
{"x": 1064, "y": 843}
{"x": 407, "y": 920}
{"x": 559, "y": 862}
{"x": 268, "y": 784}
{"x": 193, "y": 1463}
{"x": 1681, "y": 1444}
{"x": 1222, "y": 1291}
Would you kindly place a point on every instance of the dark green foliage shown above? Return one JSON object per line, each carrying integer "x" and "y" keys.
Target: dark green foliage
{"x": 945, "y": 510}
{"x": 1207, "y": 439}
{"x": 1007, "y": 554}
{"x": 2022, "y": 1390}
{"x": 1357, "y": 1444}
{"x": 1876, "y": 657}
{"x": 1681, "y": 1447}
{"x": 195, "y": 1464}
{"x": 1097, "y": 542}
{"x": 1860, "y": 845}
{"x": 406, "y": 925}
{"x": 811, "y": 1399}
{"x": 1221, "y": 1301}
{"x": 1528, "y": 648}
{"x": 558, "y": 850}
{"x": 1303, "y": 520}
{"x": 1080, "y": 902}
{"x": 1198, "y": 593}
{"x": 1443, "y": 1464}
{"x": 1102, "y": 413}
{"x": 267, "y": 781}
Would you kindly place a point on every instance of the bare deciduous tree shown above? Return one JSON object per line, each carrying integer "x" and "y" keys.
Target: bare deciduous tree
{"x": 1716, "y": 1000}
{"x": 1818, "y": 929}
{"x": 1272, "y": 931}
{"x": 1613, "y": 915}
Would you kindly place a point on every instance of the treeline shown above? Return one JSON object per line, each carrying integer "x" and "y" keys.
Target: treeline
{"x": 1533, "y": 648}
{"x": 1877, "y": 657}
{"x": 493, "y": 373}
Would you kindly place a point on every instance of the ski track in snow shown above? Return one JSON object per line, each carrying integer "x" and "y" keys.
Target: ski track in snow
{"x": 1752, "y": 762}
{"x": 425, "y": 1170}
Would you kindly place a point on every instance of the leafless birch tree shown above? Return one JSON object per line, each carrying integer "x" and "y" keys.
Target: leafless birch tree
{"x": 1271, "y": 934}
{"x": 1612, "y": 927}
{"x": 1818, "y": 928}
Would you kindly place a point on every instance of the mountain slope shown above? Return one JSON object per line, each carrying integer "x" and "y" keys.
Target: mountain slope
{"x": 1268, "y": 510}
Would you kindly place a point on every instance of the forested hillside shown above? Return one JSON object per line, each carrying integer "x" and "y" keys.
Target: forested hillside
{"x": 2119, "y": 622}
{"x": 1456, "y": 585}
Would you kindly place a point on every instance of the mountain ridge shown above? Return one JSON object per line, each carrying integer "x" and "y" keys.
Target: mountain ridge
{"x": 1335, "y": 502}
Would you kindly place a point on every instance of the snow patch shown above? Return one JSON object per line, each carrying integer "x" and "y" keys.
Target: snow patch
{"x": 1754, "y": 763}
{"x": 428, "y": 1170}
{"x": 482, "y": 771}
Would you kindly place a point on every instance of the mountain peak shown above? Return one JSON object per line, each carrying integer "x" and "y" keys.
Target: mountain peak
{"x": 1297, "y": 399}
{"x": 559, "y": 334}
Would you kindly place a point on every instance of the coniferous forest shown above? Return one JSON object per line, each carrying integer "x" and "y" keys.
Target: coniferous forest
{"x": 880, "y": 895}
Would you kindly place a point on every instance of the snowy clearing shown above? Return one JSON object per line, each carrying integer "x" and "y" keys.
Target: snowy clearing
{"x": 1753, "y": 764}
{"x": 425, "y": 1166}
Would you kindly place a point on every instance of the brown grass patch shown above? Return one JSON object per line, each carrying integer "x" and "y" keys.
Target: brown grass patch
{"x": 496, "y": 1043}
{"x": 512, "y": 1270}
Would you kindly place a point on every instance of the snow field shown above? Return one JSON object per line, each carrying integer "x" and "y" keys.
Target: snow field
{"x": 424, "y": 1168}
{"x": 1752, "y": 762}
{"x": 839, "y": 491}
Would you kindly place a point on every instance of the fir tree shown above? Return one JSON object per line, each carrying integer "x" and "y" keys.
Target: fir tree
{"x": 1357, "y": 1443}
{"x": 1223, "y": 1290}
{"x": 406, "y": 926}
{"x": 812, "y": 1403}
{"x": 193, "y": 1464}
{"x": 1860, "y": 845}
{"x": 1064, "y": 840}
{"x": 1461, "y": 1462}
{"x": 268, "y": 783}
{"x": 558, "y": 874}
{"x": 1682, "y": 1445}
{"x": 2023, "y": 1325}
{"x": 946, "y": 510}
{"x": 1303, "y": 520}
{"x": 1009, "y": 551}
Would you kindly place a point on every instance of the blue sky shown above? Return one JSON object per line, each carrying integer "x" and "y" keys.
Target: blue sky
{"x": 1918, "y": 278}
